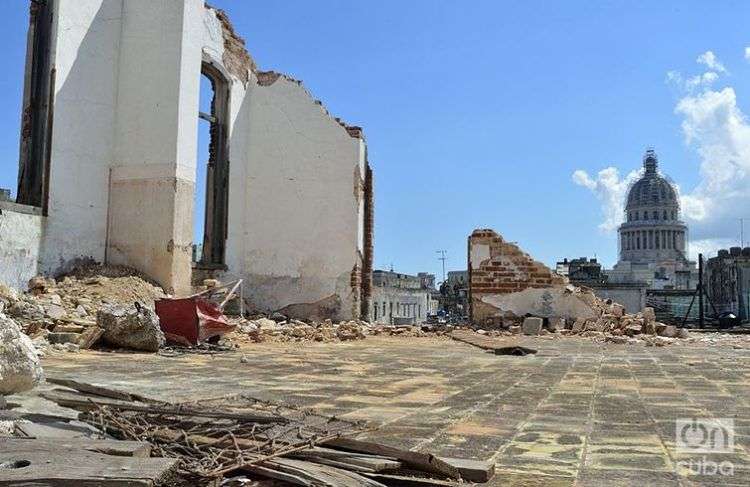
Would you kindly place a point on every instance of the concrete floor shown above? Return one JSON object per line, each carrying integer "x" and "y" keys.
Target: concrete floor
{"x": 577, "y": 413}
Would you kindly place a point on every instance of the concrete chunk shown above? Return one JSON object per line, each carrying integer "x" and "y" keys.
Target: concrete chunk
{"x": 135, "y": 327}
{"x": 532, "y": 325}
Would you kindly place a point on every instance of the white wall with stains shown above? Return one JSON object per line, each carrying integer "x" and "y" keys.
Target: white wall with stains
{"x": 123, "y": 159}
{"x": 20, "y": 238}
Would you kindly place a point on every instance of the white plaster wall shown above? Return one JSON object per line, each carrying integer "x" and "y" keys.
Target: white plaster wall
{"x": 303, "y": 221}
{"x": 20, "y": 237}
{"x": 543, "y": 302}
{"x": 633, "y": 299}
{"x": 85, "y": 54}
{"x": 153, "y": 177}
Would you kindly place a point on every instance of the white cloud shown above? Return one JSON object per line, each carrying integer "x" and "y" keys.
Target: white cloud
{"x": 709, "y": 247}
{"x": 747, "y": 53}
{"x": 709, "y": 60}
{"x": 610, "y": 189}
{"x": 714, "y": 126}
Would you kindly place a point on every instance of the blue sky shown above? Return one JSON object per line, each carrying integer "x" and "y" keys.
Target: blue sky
{"x": 478, "y": 113}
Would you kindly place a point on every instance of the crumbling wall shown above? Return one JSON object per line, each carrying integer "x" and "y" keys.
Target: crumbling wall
{"x": 505, "y": 282}
{"x": 20, "y": 237}
{"x": 85, "y": 56}
{"x": 303, "y": 205}
{"x": 296, "y": 220}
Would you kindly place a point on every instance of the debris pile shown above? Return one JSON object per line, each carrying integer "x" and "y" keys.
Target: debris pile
{"x": 220, "y": 438}
{"x": 266, "y": 329}
{"x": 610, "y": 324}
{"x": 62, "y": 314}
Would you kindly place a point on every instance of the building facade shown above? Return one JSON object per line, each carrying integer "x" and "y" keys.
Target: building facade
{"x": 401, "y": 298}
{"x": 653, "y": 239}
{"x": 109, "y": 166}
{"x": 728, "y": 281}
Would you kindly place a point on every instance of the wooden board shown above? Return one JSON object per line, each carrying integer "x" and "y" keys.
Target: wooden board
{"x": 499, "y": 346}
{"x": 72, "y": 463}
{"x": 472, "y": 470}
{"x": 421, "y": 461}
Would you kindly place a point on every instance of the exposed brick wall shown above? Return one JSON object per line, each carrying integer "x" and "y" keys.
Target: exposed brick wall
{"x": 366, "y": 295}
{"x": 500, "y": 267}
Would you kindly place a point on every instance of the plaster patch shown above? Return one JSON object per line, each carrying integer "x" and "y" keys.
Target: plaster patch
{"x": 479, "y": 254}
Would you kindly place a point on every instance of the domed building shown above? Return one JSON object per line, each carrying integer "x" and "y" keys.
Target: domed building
{"x": 653, "y": 239}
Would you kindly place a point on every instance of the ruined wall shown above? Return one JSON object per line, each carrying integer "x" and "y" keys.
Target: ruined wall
{"x": 632, "y": 297}
{"x": 123, "y": 166}
{"x": 20, "y": 238}
{"x": 85, "y": 57}
{"x": 296, "y": 222}
{"x": 124, "y": 135}
{"x": 304, "y": 206}
{"x": 505, "y": 282}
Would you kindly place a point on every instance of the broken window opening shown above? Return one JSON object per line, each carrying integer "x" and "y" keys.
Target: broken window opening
{"x": 213, "y": 208}
{"x": 36, "y": 121}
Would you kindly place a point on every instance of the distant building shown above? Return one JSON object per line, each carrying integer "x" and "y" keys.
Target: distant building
{"x": 4, "y": 194}
{"x": 728, "y": 281}
{"x": 454, "y": 293}
{"x": 401, "y": 298}
{"x": 582, "y": 271}
{"x": 653, "y": 239}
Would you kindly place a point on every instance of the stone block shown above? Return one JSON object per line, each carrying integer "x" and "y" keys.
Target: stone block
{"x": 532, "y": 325}
{"x": 63, "y": 337}
{"x": 135, "y": 327}
{"x": 649, "y": 315}
{"x": 669, "y": 331}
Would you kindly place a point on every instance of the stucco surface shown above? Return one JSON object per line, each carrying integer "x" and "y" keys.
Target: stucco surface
{"x": 20, "y": 237}
{"x": 303, "y": 216}
{"x": 545, "y": 302}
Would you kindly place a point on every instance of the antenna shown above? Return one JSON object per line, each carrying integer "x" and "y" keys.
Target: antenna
{"x": 442, "y": 257}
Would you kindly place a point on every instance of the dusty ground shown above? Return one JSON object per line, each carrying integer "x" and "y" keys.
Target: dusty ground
{"x": 578, "y": 413}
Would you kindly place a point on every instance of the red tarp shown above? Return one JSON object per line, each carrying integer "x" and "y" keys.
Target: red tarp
{"x": 190, "y": 321}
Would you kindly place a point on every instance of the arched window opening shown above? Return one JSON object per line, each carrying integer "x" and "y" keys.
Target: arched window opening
{"x": 212, "y": 182}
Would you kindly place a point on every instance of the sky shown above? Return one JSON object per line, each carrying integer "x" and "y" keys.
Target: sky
{"x": 526, "y": 117}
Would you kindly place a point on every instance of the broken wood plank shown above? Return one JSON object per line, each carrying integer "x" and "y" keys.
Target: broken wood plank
{"x": 420, "y": 461}
{"x": 66, "y": 464}
{"x": 499, "y": 346}
{"x": 90, "y": 336}
{"x": 322, "y": 474}
{"x": 57, "y": 429}
{"x": 404, "y": 481}
{"x": 371, "y": 463}
{"x": 96, "y": 390}
{"x": 138, "y": 449}
{"x": 472, "y": 470}
{"x": 87, "y": 403}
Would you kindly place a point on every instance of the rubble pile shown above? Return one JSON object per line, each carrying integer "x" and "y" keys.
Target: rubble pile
{"x": 62, "y": 314}
{"x": 266, "y": 329}
{"x": 19, "y": 363}
{"x": 281, "y": 329}
{"x": 609, "y": 323}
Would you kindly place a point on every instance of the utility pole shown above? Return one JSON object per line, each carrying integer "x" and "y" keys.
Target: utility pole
{"x": 742, "y": 233}
{"x": 701, "y": 317}
{"x": 442, "y": 257}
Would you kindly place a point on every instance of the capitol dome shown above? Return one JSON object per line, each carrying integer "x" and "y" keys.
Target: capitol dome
{"x": 652, "y": 231}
